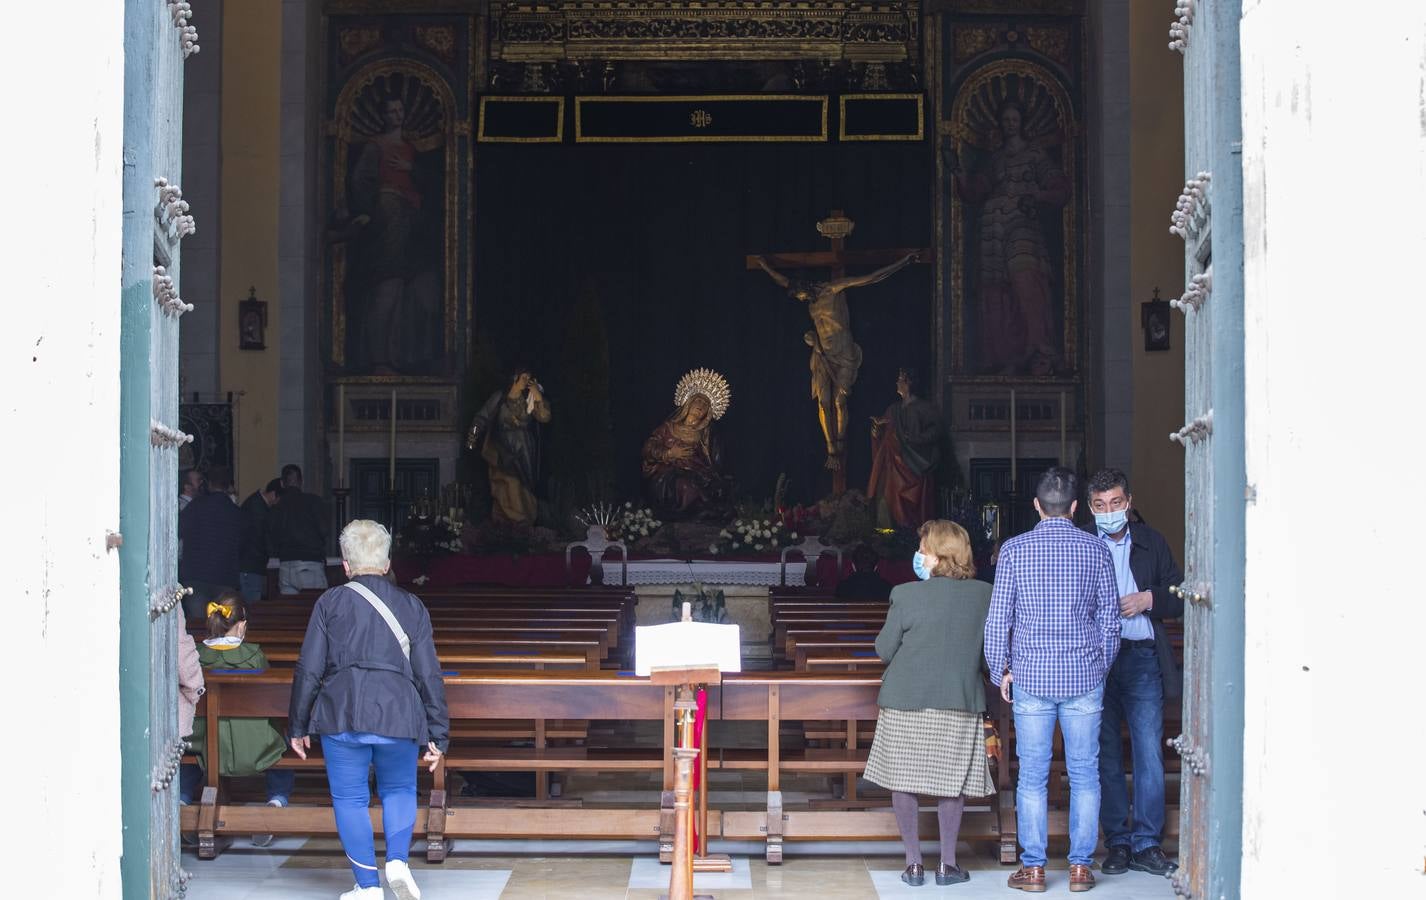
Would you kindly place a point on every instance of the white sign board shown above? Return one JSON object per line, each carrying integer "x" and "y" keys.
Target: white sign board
{"x": 687, "y": 644}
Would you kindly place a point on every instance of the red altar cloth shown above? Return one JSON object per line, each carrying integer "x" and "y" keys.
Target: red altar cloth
{"x": 531, "y": 570}
{"x": 896, "y": 571}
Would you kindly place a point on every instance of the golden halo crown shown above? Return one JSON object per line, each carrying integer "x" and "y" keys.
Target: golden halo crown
{"x": 708, "y": 383}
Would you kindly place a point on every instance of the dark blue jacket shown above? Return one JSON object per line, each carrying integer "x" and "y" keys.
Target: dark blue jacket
{"x": 211, "y": 529}
{"x": 352, "y": 676}
{"x": 1155, "y": 570}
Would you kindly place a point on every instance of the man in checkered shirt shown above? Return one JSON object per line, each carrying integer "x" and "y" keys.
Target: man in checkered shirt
{"x": 1053, "y": 632}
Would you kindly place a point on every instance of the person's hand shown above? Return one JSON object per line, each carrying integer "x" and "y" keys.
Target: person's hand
{"x": 1132, "y": 604}
{"x": 1005, "y": 681}
{"x": 301, "y": 745}
{"x": 535, "y": 394}
{"x": 433, "y": 756}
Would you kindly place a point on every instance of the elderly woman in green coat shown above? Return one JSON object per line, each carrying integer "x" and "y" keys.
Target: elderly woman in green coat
{"x": 245, "y": 746}
{"x": 929, "y": 733}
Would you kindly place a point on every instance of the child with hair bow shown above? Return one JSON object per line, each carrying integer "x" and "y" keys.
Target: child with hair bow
{"x": 246, "y": 746}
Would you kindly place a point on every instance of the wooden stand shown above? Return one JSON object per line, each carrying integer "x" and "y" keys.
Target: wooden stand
{"x": 688, "y": 857}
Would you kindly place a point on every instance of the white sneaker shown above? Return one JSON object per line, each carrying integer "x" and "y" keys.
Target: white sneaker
{"x": 398, "y": 877}
{"x": 360, "y": 893}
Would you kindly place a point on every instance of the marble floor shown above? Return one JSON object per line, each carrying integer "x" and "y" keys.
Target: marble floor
{"x": 315, "y": 869}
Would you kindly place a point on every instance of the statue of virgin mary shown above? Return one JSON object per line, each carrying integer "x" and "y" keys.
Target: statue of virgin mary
{"x": 682, "y": 459}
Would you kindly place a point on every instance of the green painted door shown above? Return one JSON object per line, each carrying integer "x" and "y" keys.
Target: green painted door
{"x": 157, "y": 39}
{"x": 1208, "y": 216}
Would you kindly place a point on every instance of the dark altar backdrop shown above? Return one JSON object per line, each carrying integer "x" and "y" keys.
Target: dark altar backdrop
{"x": 659, "y": 232}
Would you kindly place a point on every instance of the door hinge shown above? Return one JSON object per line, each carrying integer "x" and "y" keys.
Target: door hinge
{"x": 1194, "y": 756}
{"x": 167, "y": 767}
{"x": 113, "y": 540}
{"x": 1197, "y": 430}
{"x": 1183, "y": 592}
{"x": 160, "y": 435}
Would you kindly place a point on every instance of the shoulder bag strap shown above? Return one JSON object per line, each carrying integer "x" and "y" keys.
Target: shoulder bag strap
{"x": 385, "y": 612}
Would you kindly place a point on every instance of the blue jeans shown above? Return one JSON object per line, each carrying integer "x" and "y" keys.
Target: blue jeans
{"x": 348, "y": 766}
{"x": 251, "y": 585}
{"x": 1133, "y": 693}
{"x": 190, "y": 783}
{"x": 1035, "y": 719}
{"x": 278, "y": 783}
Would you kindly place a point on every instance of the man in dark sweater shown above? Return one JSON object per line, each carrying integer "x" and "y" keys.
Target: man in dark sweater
{"x": 1143, "y": 674}
{"x": 211, "y": 530}
{"x": 864, "y": 583}
{"x": 252, "y": 556}
{"x": 297, "y": 536}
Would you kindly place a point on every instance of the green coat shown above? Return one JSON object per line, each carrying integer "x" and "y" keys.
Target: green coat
{"x": 245, "y": 746}
{"x": 932, "y": 643}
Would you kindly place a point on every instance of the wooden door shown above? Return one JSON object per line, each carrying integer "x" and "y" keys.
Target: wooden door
{"x": 1208, "y": 217}
{"x": 157, "y": 39}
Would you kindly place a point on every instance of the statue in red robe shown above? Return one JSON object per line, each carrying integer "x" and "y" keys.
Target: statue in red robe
{"x": 906, "y": 448}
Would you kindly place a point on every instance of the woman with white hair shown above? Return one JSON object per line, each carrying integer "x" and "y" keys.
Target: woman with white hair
{"x": 369, "y": 684}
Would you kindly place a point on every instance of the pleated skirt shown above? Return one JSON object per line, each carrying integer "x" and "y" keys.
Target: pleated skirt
{"x": 933, "y": 752}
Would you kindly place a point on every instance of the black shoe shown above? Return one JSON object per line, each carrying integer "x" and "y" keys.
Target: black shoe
{"x": 915, "y": 875}
{"x": 1116, "y": 861}
{"x": 948, "y": 874}
{"x": 1152, "y": 861}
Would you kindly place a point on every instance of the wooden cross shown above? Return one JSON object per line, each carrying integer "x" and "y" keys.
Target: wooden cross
{"x": 835, "y": 228}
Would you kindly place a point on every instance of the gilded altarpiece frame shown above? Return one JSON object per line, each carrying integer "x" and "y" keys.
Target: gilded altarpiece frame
{"x": 1013, "y": 228}
{"x": 397, "y": 168}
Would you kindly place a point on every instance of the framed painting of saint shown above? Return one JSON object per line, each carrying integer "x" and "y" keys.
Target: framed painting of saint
{"x": 395, "y": 229}
{"x": 1009, "y": 153}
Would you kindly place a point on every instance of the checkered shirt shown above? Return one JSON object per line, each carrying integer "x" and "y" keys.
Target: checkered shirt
{"x": 1054, "y": 613}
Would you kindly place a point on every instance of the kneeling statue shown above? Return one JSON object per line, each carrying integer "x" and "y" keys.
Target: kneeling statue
{"x": 682, "y": 460}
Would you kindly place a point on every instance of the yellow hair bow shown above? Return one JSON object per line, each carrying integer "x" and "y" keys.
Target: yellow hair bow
{"x": 227, "y": 611}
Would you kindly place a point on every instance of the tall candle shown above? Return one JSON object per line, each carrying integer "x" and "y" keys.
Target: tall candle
{"x": 341, "y": 435}
{"x": 1014, "y": 482}
{"x": 391, "y": 472}
{"x": 1063, "y": 415}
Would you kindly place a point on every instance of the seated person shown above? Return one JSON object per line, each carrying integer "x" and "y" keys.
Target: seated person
{"x": 864, "y": 583}
{"x": 246, "y": 746}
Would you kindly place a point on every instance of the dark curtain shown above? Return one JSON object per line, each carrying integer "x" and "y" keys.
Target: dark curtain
{"x": 659, "y": 234}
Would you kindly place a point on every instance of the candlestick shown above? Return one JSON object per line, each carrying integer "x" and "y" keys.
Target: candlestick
{"x": 1014, "y": 482}
{"x": 1062, "y": 429}
{"x": 341, "y": 435}
{"x": 391, "y": 454}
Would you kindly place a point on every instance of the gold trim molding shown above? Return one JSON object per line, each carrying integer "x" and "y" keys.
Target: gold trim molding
{"x": 920, "y": 118}
{"x": 570, "y": 30}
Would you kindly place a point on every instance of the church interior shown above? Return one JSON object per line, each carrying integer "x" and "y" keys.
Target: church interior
{"x": 635, "y": 315}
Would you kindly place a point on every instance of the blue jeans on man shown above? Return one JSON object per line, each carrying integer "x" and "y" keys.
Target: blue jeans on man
{"x": 251, "y": 585}
{"x": 1035, "y": 719}
{"x": 1133, "y": 694}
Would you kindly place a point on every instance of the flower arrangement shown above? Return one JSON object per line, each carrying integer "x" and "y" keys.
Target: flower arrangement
{"x": 753, "y": 536}
{"x": 447, "y": 534}
{"x": 626, "y": 523}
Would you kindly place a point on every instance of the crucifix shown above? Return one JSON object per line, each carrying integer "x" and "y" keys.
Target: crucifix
{"x": 835, "y": 356}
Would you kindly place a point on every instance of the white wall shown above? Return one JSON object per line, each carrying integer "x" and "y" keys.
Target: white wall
{"x": 59, "y": 364}
{"x": 1334, "y": 156}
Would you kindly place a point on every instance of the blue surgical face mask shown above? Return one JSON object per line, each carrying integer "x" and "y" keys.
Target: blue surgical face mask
{"x": 1112, "y": 522}
{"x": 918, "y": 565}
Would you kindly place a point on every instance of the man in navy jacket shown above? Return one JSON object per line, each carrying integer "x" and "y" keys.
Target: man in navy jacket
{"x": 1143, "y": 674}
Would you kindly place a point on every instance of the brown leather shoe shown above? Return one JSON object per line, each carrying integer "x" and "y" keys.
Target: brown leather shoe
{"x": 1081, "y": 878}
{"x": 1028, "y": 878}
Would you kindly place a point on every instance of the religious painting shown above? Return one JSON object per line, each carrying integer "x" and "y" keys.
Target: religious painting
{"x": 399, "y": 177}
{"x": 1009, "y": 159}
{"x": 1010, "y": 148}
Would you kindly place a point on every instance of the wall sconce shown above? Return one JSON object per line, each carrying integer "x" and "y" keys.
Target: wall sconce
{"x": 252, "y": 322}
{"x": 1154, "y": 315}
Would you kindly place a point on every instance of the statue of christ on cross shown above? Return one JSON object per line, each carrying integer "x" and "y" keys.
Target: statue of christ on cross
{"x": 835, "y": 356}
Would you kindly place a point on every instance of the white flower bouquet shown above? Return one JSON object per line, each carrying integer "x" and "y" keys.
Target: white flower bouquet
{"x": 753, "y": 536}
